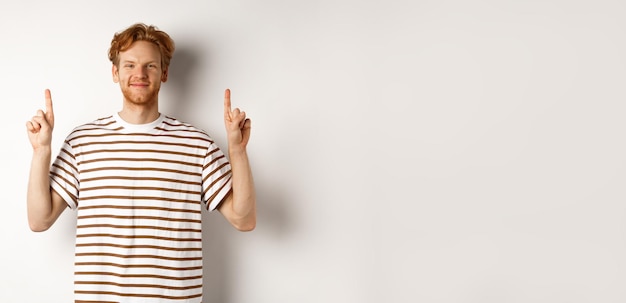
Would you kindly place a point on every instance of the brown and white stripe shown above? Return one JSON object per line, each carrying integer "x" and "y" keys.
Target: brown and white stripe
{"x": 139, "y": 191}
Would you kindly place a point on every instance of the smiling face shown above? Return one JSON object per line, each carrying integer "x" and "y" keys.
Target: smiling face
{"x": 139, "y": 73}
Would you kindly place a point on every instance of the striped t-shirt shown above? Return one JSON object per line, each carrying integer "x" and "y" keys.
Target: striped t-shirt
{"x": 139, "y": 191}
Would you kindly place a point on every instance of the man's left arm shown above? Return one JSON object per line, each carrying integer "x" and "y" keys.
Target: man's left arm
{"x": 239, "y": 206}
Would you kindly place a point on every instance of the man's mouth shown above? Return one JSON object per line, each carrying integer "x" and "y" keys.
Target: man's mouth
{"x": 139, "y": 84}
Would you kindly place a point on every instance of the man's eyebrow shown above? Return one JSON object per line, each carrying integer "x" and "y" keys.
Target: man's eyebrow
{"x": 133, "y": 61}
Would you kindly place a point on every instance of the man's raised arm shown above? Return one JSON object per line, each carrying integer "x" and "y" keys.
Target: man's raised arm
{"x": 43, "y": 204}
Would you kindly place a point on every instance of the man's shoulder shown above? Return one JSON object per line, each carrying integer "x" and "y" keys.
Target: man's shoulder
{"x": 189, "y": 132}
{"x": 173, "y": 124}
{"x": 95, "y": 125}
{"x": 103, "y": 122}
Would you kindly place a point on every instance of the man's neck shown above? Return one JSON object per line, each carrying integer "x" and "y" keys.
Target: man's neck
{"x": 139, "y": 114}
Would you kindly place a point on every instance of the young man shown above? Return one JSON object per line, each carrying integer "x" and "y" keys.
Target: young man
{"x": 139, "y": 180}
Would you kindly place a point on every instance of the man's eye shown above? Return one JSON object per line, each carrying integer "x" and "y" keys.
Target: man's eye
{"x": 129, "y": 66}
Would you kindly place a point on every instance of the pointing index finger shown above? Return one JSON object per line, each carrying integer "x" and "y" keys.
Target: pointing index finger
{"x": 48, "y": 102}
{"x": 227, "y": 103}
{"x": 49, "y": 115}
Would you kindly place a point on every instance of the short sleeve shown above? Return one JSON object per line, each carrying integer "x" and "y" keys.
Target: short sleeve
{"x": 216, "y": 177}
{"x": 64, "y": 176}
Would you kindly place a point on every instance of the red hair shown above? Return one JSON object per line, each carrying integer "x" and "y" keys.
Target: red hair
{"x": 142, "y": 32}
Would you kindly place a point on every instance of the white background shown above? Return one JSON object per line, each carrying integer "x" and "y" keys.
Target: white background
{"x": 404, "y": 151}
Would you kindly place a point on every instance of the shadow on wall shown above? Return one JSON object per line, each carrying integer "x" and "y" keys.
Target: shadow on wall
{"x": 182, "y": 70}
{"x": 272, "y": 210}
{"x": 220, "y": 280}
{"x": 272, "y": 223}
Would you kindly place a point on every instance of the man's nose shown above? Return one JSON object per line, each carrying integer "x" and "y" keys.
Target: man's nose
{"x": 142, "y": 71}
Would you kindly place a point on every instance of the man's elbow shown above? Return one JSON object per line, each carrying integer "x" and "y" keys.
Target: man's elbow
{"x": 248, "y": 225}
{"x": 38, "y": 226}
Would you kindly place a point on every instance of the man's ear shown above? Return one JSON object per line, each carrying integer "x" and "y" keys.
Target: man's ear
{"x": 115, "y": 73}
{"x": 164, "y": 75}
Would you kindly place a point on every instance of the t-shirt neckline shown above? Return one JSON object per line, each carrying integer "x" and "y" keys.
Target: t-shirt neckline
{"x": 138, "y": 127}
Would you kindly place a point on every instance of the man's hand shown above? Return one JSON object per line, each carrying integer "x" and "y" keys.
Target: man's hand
{"x": 40, "y": 126}
{"x": 237, "y": 126}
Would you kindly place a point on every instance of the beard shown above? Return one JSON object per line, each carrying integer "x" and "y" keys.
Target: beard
{"x": 140, "y": 96}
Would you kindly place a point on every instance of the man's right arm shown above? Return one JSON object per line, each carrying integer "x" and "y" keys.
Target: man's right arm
{"x": 44, "y": 204}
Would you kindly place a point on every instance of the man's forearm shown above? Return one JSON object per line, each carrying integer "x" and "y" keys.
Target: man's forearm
{"x": 38, "y": 197}
{"x": 244, "y": 195}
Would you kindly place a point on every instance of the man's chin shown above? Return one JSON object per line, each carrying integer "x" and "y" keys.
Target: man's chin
{"x": 140, "y": 98}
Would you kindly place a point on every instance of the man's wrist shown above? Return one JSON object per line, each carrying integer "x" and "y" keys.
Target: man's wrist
{"x": 42, "y": 151}
{"x": 237, "y": 151}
